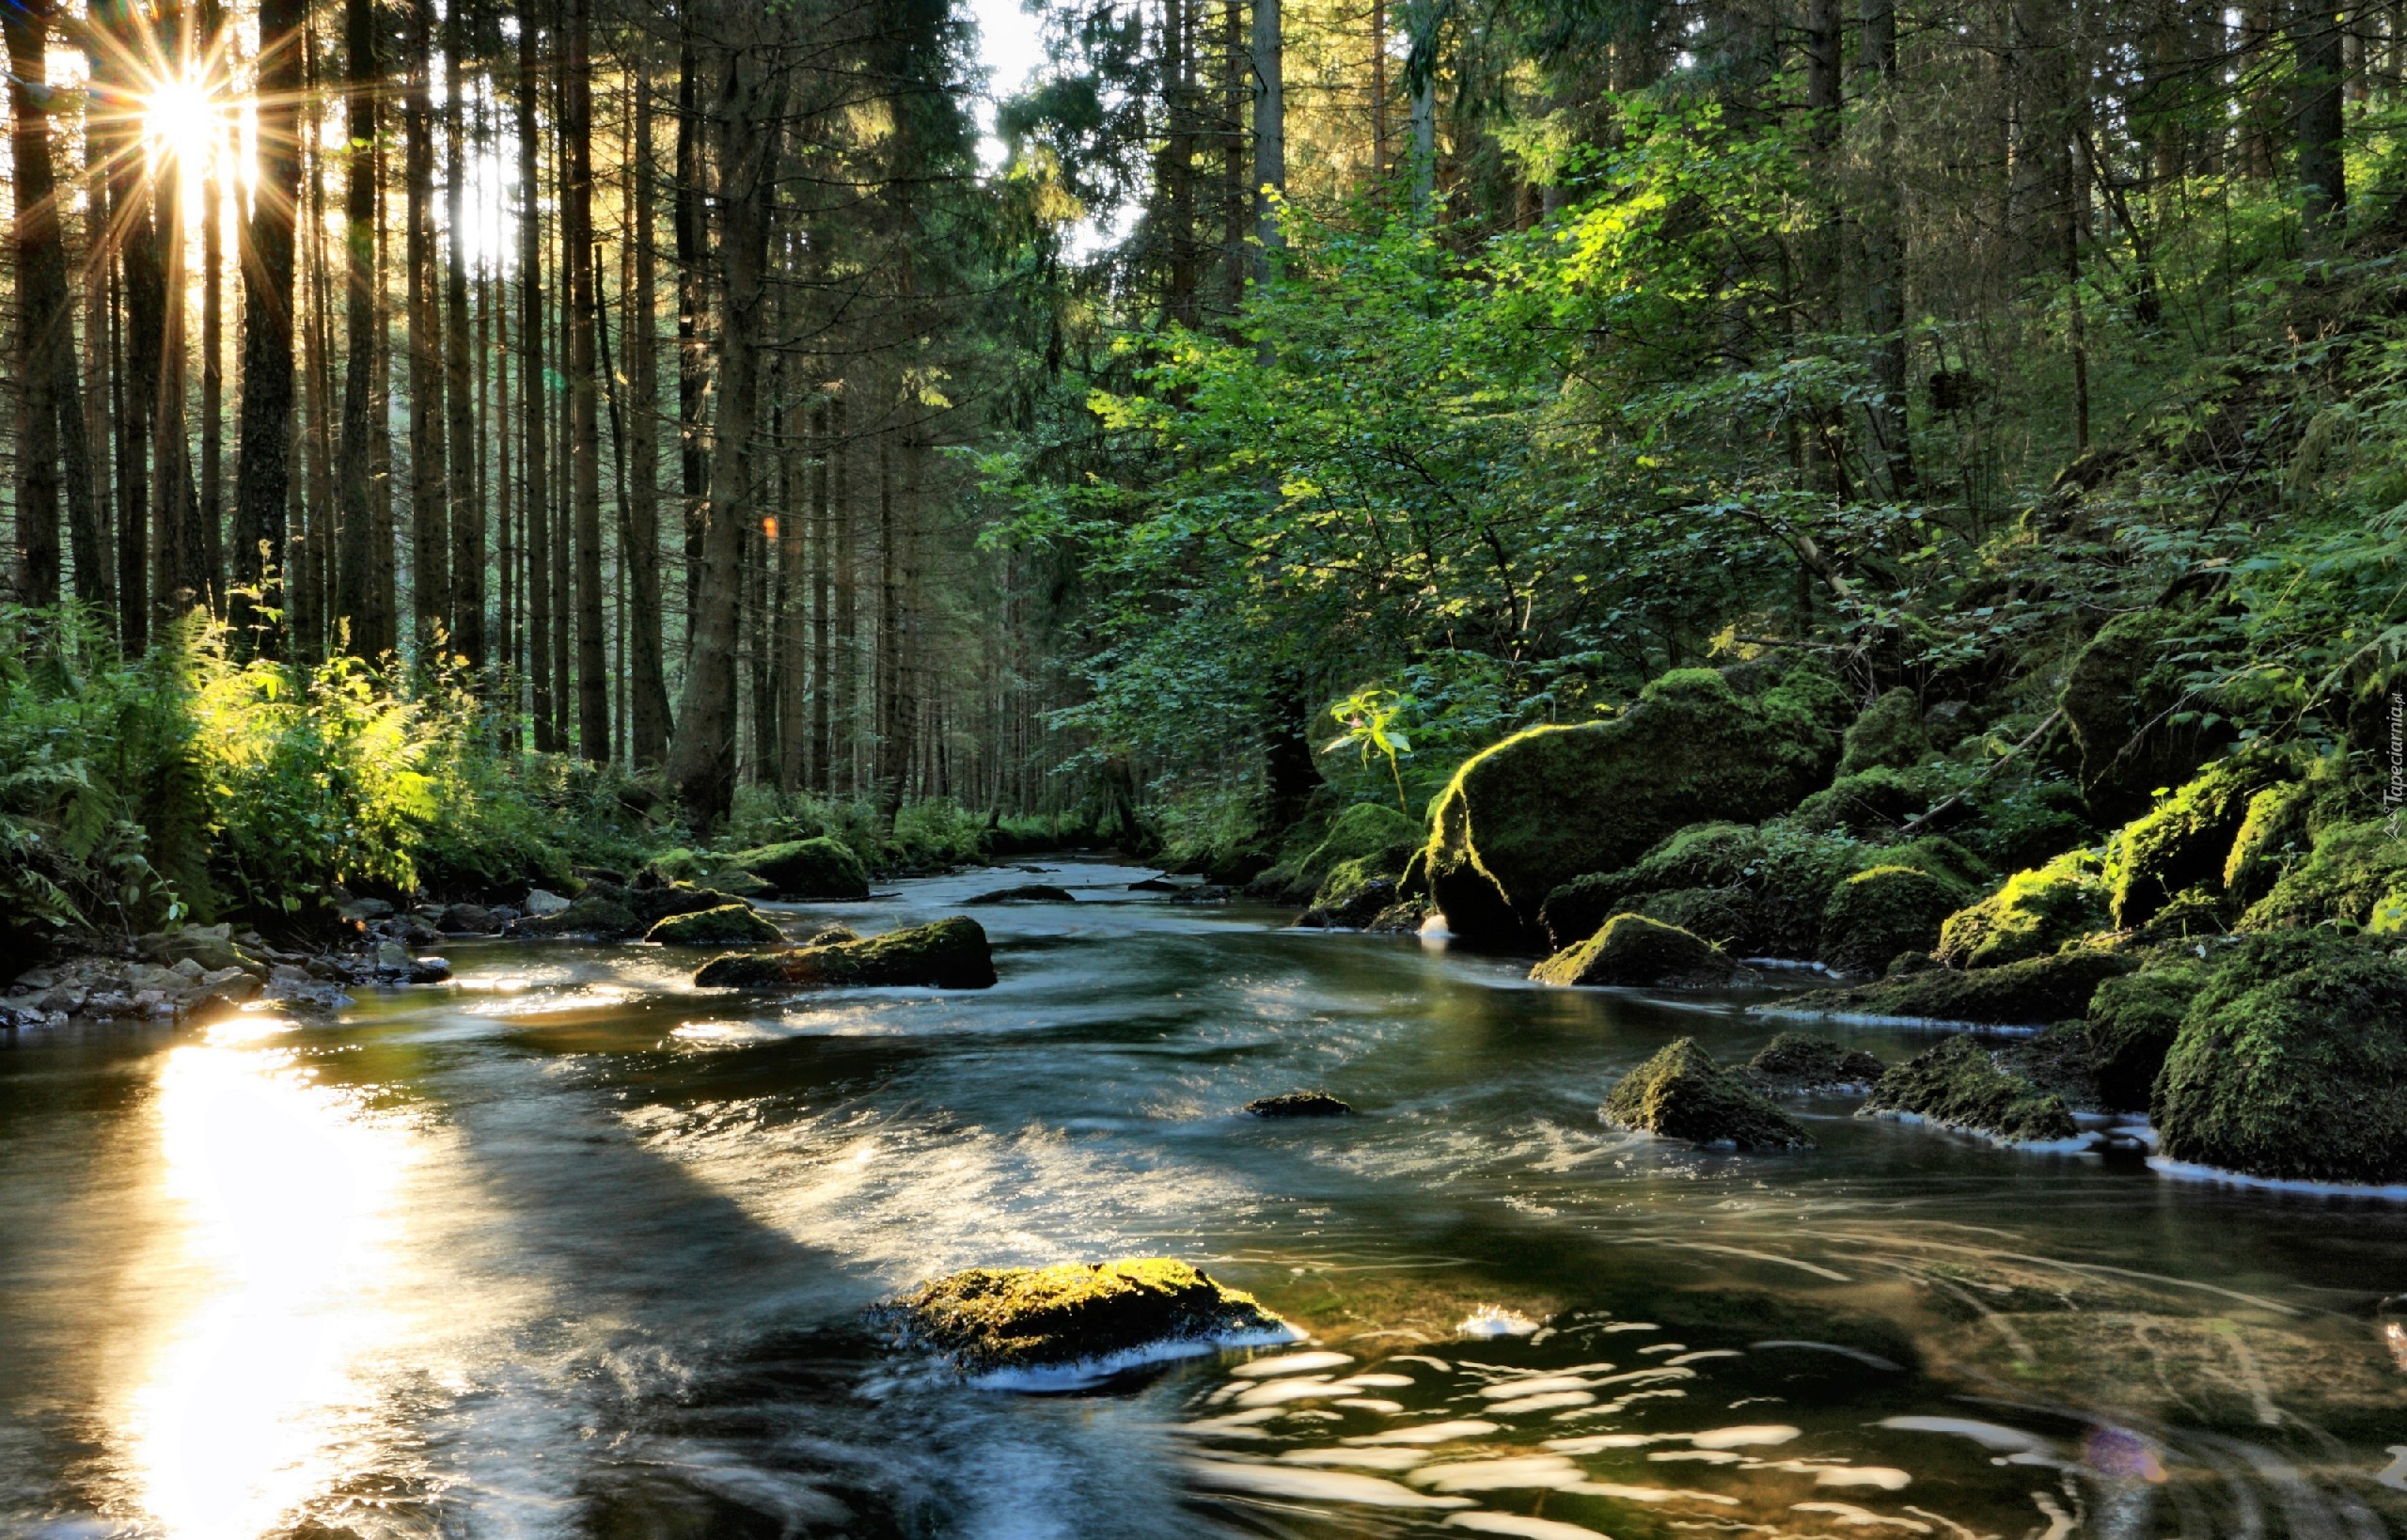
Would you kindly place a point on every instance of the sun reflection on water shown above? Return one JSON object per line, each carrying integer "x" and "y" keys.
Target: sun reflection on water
{"x": 285, "y": 1193}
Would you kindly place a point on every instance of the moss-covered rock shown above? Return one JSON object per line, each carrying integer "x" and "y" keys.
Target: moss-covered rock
{"x": 2184, "y": 840}
{"x": 728, "y": 925}
{"x": 2030, "y": 993}
{"x": 1883, "y": 910}
{"x": 1378, "y": 839}
{"x": 2291, "y": 1063}
{"x": 1869, "y": 802}
{"x": 2032, "y": 914}
{"x": 1632, "y": 950}
{"x": 1888, "y": 737}
{"x": 1355, "y": 893}
{"x": 1963, "y": 1085}
{"x": 2354, "y": 874}
{"x": 2131, "y": 1025}
{"x": 604, "y": 915}
{"x": 1771, "y": 884}
{"x": 989, "y": 1319}
{"x": 1543, "y": 807}
{"x": 1796, "y": 1063}
{"x": 949, "y": 954}
{"x": 805, "y": 870}
{"x": 2121, "y": 703}
{"x": 1682, "y": 1093}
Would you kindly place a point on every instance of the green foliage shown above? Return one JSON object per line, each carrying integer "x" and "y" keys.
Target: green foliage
{"x": 181, "y": 783}
{"x": 1888, "y": 737}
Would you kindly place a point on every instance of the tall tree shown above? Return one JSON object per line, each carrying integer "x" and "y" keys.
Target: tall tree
{"x": 43, "y": 335}
{"x": 648, "y": 732}
{"x": 750, "y": 101}
{"x": 466, "y": 509}
{"x": 263, "y": 473}
{"x": 355, "y": 587}
{"x": 1269, "y": 129}
{"x": 430, "y": 522}
{"x": 584, "y": 440}
{"x": 534, "y": 518}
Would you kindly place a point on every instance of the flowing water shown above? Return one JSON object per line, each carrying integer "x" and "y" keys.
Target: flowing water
{"x": 569, "y": 1249}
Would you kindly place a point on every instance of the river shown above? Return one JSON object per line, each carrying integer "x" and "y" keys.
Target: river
{"x": 569, "y": 1249}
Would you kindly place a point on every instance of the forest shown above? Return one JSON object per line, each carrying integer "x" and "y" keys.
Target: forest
{"x": 452, "y": 443}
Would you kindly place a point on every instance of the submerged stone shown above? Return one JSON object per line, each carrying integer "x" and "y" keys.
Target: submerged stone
{"x": 988, "y": 1319}
{"x": 2291, "y": 1063}
{"x": 1634, "y": 951}
{"x": 1795, "y": 1062}
{"x": 1027, "y": 892}
{"x": 1962, "y": 1085}
{"x": 1545, "y": 805}
{"x": 1300, "y": 1104}
{"x": 805, "y": 870}
{"x": 2031, "y": 993}
{"x": 949, "y": 955}
{"x": 725, "y": 925}
{"x": 1682, "y": 1093}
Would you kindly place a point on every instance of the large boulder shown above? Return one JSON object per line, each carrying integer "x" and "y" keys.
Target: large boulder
{"x": 1545, "y": 805}
{"x": 2032, "y": 914}
{"x": 2354, "y": 873}
{"x": 602, "y": 916}
{"x": 949, "y": 954}
{"x": 1682, "y": 1093}
{"x": 1889, "y": 735}
{"x": 727, "y": 925}
{"x": 1636, "y": 951}
{"x": 804, "y": 870}
{"x": 990, "y": 1319}
{"x": 2291, "y": 1063}
{"x": 1354, "y": 894}
{"x": 1965, "y": 1085}
{"x": 2032, "y": 993}
{"x": 2122, "y": 704}
{"x": 1027, "y": 892}
{"x": 1758, "y": 892}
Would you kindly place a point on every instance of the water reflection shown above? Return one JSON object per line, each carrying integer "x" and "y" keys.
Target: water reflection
{"x": 280, "y": 1227}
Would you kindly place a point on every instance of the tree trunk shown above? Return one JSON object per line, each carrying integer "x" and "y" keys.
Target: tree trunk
{"x": 42, "y": 328}
{"x": 750, "y": 101}
{"x": 534, "y": 519}
{"x": 1269, "y": 132}
{"x": 430, "y": 522}
{"x": 693, "y": 303}
{"x": 208, "y": 511}
{"x": 355, "y": 568}
{"x": 649, "y": 727}
{"x": 177, "y": 584}
{"x": 263, "y": 474}
{"x": 2322, "y": 172}
{"x": 1884, "y": 280}
{"x": 467, "y": 555}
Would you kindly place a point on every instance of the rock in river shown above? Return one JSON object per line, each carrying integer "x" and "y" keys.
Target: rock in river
{"x": 1682, "y": 1093}
{"x": 2031, "y": 993}
{"x": 1027, "y": 892}
{"x": 1964, "y": 1085}
{"x": 1300, "y": 1104}
{"x": 949, "y": 954}
{"x": 727, "y": 925}
{"x": 1794, "y": 1062}
{"x": 805, "y": 868}
{"x": 1092, "y": 1314}
{"x": 1635, "y": 951}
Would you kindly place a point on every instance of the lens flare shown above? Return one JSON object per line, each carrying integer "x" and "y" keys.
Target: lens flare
{"x": 183, "y": 120}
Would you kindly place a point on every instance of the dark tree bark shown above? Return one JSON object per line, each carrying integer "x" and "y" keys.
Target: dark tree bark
{"x": 262, "y": 476}
{"x": 2322, "y": 173}
{"x": 585, "y": 441}
{"x": 1270, "y": 130}
{"x": 1885, "y": 277}
{"x": 649, "y": 707}
{"x": 467, "y": 522}
{"x": 750, "y": 99}
{"x": 43, "y": 329}
{"x": 178, "y": 583}
{"x": 355, "y": 568}
{"x": 693, "y": 303}
{"x": 209, "y": 510}
{"x": 430, "y": 522}
{"x": 535, "y": 505}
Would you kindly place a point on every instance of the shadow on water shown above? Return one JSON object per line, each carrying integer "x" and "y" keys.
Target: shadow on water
{"x": 573, "y": 1249}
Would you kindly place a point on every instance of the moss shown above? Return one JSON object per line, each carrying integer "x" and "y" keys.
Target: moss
{"x": 2120, "y": 702}
{"x": 728, "y": 925}
{"x": 949, "y": 954}
{"x": 1962, "y": 1085}
{"x": 2033, "y": 992}
{"x": 2130, "y": 1026}
{"x": 2186, "y": 839}
{"x": 2031, "y": 915}
{"x": 1527, "y": 815}
{"x": 1942, "y": 858}
{"x": 1632, "y": 950}
{"x": 1353, "y": 894}
{"x": 1795, "y": 1062}
{"x": 1889, "y": 735}
{"x": 1773, "y": 883}
{"x": 806, "y": 869}
{"x": 1869, "y": 802}
{"x": 1367, "y": 832}
{"x": 603, "y": 915}
{"x": 988, "y": 1318}
{"x": 1883, "y": 910}
{"x": 2291, "y": 1063}
{"x": 1723, "y": 916}
{"x": 1682, "y": 1093}
{"x": 2351, "y": 871}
